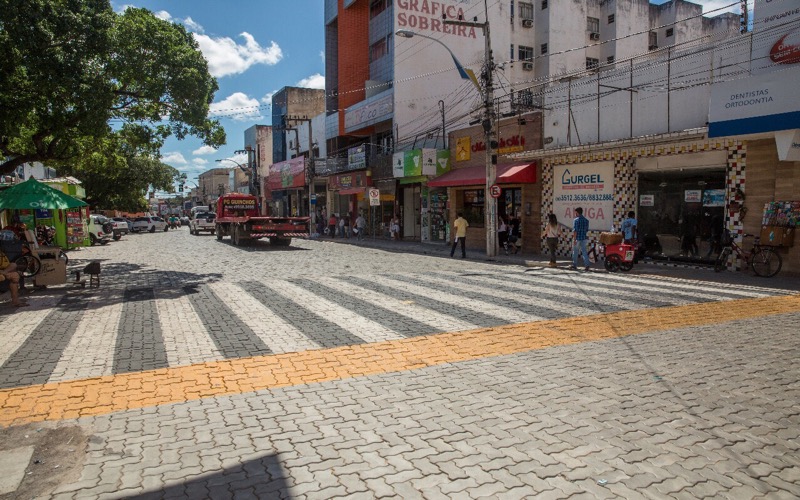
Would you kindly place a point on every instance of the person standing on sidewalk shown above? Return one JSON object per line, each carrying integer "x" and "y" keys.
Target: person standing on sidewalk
{"x": 332, "y": 226}
{"x": 361, "y": 226}
{"x": 460, "y": 226}
{"x": 580, "y": 229}
{"x": 502, "y": 234}
{"x": 630, "y": 229}
{"x": 551, "y": 236}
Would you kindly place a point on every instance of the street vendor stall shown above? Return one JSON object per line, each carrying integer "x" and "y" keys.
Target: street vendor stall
{"x": 22, "y": 203}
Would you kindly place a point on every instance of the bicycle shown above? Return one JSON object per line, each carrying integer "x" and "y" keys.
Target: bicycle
{"x": 763, "y": 260}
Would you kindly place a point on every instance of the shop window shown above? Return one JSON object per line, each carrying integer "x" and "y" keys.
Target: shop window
{"x": 473, "y": 207}
{"x": 511, "y": 203}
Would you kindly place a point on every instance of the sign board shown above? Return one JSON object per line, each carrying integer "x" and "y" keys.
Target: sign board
{"x": 589, "y": 186}
{"x": 495, "y": 191}
{"x": 374, "y": 197}
{"x": 239, "y": 203}
{"x": 647, "y": 200}
{"x": 714, "y": 198}
{"x": 788, "y": 143}
{"x": 693, "y": 195}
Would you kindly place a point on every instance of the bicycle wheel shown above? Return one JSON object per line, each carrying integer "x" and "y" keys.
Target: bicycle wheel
{"x": 28, "y": 265}
{"x": 722, "y": 261}
{"x": 765, "y": 262}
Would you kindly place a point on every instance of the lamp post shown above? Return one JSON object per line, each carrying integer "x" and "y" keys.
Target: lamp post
{"x": 247, "y": 172}
{"x": 487, "y": 93}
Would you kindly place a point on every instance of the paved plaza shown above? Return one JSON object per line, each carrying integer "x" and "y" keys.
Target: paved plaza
{"x": 384, "y": 369}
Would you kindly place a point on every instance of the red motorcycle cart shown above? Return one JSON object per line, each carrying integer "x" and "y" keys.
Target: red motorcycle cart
{"x": 618, "y": 256}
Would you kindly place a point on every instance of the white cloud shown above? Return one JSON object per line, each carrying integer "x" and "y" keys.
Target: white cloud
{"x": 226, "y": 57}
{"x": 173, "y": 158}
{"x": 204, "y": 150}
{"x": 192, "y": 25}
{"x": 238, "y": 106}
{"x": 322, "y": 55}
{"x": 315, "y": 81}
{"x": 199, "y": 161}
{"x": 267, "y": 99}
{"x": 163, "y": 15}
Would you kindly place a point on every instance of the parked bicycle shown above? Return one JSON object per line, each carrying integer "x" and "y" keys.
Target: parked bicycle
{"x": 763, "y": 260}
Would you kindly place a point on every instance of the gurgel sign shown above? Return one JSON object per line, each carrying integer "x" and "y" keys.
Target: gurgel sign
{"x": 584, "y": 186}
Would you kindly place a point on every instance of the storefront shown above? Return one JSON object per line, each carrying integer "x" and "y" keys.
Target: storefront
{"x": 287, "y": 188}
{"x": 422, "y": 211}
{"x": 348, "y": 193}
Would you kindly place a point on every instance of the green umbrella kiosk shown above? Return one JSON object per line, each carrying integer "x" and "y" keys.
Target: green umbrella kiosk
{"x": 32, "y": 199}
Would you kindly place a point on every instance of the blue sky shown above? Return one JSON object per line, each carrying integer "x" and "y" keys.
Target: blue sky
{"x": 254, "y": 48}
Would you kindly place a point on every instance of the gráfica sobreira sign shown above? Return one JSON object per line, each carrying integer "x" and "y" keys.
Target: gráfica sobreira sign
{"x": 589, "y": 186}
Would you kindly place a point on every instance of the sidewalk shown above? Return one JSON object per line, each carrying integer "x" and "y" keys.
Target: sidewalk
{"x": 783, "y": 280}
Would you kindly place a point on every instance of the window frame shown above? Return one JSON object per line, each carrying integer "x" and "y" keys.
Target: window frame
{"x": 525, "y": 11}
{"x": 612, "y": 18}
{"x": 528, "y": 50}
{"x": 592, "y": 24}
{"x": 543, "y": 48}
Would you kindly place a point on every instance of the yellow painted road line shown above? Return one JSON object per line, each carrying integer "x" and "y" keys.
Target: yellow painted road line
{"x": 108, "y": 394}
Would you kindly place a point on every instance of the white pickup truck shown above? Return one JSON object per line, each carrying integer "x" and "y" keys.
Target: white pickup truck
{"x": 202, "y": 221}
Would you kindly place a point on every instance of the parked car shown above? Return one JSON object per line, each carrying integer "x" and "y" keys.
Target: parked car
{"x": 202, "y": 221}
{"x": 101, "y": 229}
{"x": 150, "y": 224}
{"x": 120, "y": 227}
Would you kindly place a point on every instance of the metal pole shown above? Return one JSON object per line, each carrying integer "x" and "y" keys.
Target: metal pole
{"x": 444, "y": 131}
{"x": 311, "y": 212}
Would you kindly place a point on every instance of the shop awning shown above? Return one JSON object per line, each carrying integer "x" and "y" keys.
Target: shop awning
{"x": 524, "y": 173}
{"x": 351, "y": 191}
{"x": 413, "y": 179}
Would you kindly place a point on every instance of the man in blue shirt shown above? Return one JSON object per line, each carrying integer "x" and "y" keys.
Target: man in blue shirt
{"x": 630, "y": 229}
{"x": 580, "y": 228}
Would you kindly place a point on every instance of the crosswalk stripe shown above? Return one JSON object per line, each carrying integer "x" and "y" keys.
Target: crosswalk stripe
{"x": 280, "y": 335}
{"x": 90, "y": 352}
{"x": 364, "y": 328}
{"x": 186, "y": 339}
{"x": 507, "y": 289}
{"x": 605, "y": 294}
{"x": 15, "y": 329}
{"x": 507, "y": 314}
{"x": 439, "y": 321}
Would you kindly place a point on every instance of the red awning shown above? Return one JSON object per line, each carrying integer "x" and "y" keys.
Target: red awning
{"x": 472, "y": 176}
{"x": 351, "y": 190}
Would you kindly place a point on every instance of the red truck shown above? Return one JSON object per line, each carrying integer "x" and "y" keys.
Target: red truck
{"x": 237, "y": 217}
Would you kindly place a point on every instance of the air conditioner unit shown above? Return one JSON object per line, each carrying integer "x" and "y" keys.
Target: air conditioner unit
{"x": 652, "y": 47}
{"x": 594, "y": 36}
{"x": 527, "y": 66}
{"x": 527, "y": 23}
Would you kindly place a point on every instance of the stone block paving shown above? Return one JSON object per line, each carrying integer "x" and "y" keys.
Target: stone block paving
{"x": 620, "y": 418}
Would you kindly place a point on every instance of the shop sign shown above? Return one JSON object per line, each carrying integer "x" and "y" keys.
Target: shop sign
{"x": 647, "y": 200}
{"x": 463, "y": 148}
{"x": 357, "y": 157}
{"x": 43, "y": 213}
{"x": 714, "y": 198}
{"x": 776, "y": 40}
{"x": 692, "y": 195}
{"x": 589, "y": 186}
{"x": 359, "y": 116}
{"x": 347, "y": 181}
{"x": 287, "y": 174}
{"x": 505, "y": 145}
{"x": 239, "y": 203}
{"x": 788, "y": 143}
{"x": 398, "y": 164}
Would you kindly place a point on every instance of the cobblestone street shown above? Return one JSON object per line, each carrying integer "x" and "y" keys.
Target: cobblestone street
{"x": 382, "y": 369}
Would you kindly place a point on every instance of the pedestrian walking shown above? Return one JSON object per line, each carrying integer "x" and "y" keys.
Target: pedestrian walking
{"x": 460, "y": 225}
{"x": 502, "y": 234}
{"x": 394, "y": 228}
{"x": 551, "y": 236}
{"x": 514, "y": 233}
{"x": 346, "y": 225}
{"x": 332, "y": 226}
{"x": 361, "y": 226}
{"x": 580, "y": 230}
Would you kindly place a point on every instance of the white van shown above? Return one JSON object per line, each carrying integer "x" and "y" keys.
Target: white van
{"x": 199, "y": 209}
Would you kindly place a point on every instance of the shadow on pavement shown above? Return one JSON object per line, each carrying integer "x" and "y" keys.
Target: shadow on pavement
{"x": 260, "y": 478}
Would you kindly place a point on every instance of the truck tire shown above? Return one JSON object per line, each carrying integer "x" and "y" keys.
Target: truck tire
{"x": 235, "y": 237}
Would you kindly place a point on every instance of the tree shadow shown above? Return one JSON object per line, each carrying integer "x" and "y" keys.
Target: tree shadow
{"x": 259, "y": 478}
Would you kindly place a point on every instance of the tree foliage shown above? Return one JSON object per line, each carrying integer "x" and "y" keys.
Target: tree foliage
{"x": 80, "y": 80}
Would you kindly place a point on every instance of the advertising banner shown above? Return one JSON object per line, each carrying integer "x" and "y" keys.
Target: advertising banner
{"x": 289, "y": 174}
{"x": 357, "y": 158}
{"x": 776, "y": 43}
{"x": 398, "y": 164}
{"x": 428, "y": 161}
{"x": 589, "y": 186}
{"x": 788, "y": 142}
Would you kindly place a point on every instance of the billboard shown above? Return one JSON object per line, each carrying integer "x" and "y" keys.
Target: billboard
{"x": 589, "y": 186}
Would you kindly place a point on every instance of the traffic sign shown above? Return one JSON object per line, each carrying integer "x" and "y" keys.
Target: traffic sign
{"x": 494, "y": 191}
{"x": 374, "y": 197}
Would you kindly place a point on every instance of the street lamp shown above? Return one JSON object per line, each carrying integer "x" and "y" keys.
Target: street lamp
{"x": 487, "y": 94}
{"x": 249, "y": 175}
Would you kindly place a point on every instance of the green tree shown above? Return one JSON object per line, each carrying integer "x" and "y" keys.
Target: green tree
{"x": 76, "y": 74}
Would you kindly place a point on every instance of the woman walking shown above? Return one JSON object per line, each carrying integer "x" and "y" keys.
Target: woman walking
{"x": 551, "y": 234}
{"x": 502, "y": 234}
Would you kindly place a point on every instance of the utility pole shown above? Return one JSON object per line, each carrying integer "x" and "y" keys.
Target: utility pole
{"x": 312, "y": 214}
{"x": 490, "y": 203}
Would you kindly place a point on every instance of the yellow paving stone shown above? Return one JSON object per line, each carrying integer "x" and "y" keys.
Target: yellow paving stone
{"x": 107, "y": 394}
